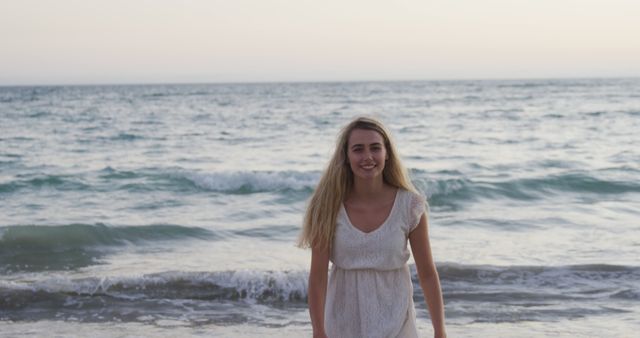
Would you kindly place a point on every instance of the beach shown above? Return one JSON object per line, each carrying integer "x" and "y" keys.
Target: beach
{"x": 173, "y": 210}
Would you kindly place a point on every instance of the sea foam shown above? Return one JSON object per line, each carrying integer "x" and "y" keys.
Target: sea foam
{"x": 254, "y": 181}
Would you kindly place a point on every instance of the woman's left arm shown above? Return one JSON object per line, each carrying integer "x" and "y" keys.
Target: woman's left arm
{"x": 428, "y": 275}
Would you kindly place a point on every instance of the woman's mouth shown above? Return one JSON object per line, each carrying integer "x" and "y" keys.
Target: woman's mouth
{"x": 368, "y": 166}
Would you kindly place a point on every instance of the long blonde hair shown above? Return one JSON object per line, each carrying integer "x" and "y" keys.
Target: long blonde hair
{"x": 337, "y": 180}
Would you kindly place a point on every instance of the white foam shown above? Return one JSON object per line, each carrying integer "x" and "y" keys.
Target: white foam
{"x": 253, "y": 285}
{"x": 256, "y": 284}
{"x": 254, "y": 181}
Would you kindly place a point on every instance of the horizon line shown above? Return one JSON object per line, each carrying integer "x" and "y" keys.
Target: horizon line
{"x": 258, "y": 82}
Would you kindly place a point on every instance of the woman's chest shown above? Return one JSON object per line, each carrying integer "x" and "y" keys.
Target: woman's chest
{"x": 383, "y": 248}
{"x": 368, "y": 219}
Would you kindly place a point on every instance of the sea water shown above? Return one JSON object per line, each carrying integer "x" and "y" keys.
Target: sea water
{"x": 173, "y": 210}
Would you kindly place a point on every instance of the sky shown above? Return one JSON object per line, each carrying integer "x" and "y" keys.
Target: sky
{"x": 195, "y": 41}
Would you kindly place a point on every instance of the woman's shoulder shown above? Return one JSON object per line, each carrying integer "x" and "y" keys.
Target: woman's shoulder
{"x": 411, "y": 209}
{"x": 411, "y": 195}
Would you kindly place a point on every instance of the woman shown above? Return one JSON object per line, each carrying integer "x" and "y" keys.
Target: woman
{"x": 360, "y": 217}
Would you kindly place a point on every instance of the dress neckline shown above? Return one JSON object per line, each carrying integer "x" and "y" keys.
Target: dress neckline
{"x": 386, "y": 220}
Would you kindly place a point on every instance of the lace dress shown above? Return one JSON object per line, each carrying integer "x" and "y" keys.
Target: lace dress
{"x": 369, "y": 292}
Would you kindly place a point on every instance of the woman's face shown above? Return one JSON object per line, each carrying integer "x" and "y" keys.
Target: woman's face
{"x": 366, "y": 153}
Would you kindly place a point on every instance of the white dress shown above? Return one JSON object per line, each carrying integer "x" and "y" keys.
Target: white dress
{"x": 369, "y": 293}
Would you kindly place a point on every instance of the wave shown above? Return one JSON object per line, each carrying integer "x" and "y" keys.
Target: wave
{"x": 576, "y": 282}
{"x": 197, "y": 297}
{"x": 238, "y": 182}
{"x": 446, "y": 188}
{"x": 244, "y": 182}
{"x": 483, "y": 293}
{"x": 568, "y": 280}
{"x": 60, "y": 247}
{"x": 261, "y": 286}
{"x": 58, "y": 182}
{"x": 174, "y": 180}
{"x": 448, "y": 191}
{"x": 441, "y": 188}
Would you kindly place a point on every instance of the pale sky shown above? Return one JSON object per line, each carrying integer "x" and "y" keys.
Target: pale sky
{"x": 175, "y": 41}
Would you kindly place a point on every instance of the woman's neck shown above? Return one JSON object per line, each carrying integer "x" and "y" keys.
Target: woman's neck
{"x": 368, "y": 189}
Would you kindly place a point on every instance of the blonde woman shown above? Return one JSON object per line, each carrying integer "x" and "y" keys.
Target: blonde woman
{"x": 360, "y": 217}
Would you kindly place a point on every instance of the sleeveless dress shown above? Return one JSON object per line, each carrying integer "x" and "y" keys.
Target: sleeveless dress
{"x": 369, "y": 292}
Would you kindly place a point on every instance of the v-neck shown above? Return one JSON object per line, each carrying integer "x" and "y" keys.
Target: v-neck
{"x": 386, "y": 220}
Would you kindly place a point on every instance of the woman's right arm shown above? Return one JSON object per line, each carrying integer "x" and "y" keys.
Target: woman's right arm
{"x": 317, "y": 291}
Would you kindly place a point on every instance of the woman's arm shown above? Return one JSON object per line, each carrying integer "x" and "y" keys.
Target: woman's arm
{"x": 317, "y": 292}
{"x": 428, "y": 275}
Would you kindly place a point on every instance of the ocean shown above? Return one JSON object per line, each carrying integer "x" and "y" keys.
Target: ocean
{"x": 173, "y": 210}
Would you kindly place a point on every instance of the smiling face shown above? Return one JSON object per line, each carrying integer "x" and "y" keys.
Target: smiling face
{"x": 366, "y": 153}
